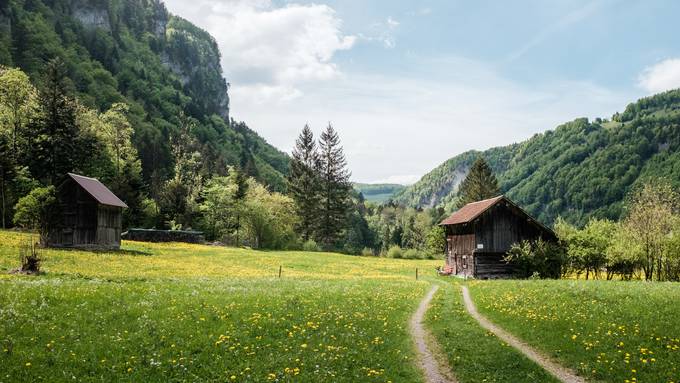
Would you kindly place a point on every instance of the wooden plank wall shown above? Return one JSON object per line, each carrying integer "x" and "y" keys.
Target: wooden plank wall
{"x": 109, "y": 226}
{"x": 500, "y": 227}
{"x": 460, "y": 253}
{"x": 491, "y": 265}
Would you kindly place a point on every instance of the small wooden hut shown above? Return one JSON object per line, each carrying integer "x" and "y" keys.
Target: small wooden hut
{"x": 90, "y": 215}
{"x": 480, "y": 234}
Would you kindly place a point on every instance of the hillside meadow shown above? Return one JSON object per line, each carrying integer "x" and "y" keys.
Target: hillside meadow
{"x": 180, "y": 312}
{"x": 183, "y": 312}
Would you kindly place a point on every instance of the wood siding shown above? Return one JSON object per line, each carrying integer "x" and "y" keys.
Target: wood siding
{"x": 477, "y": 248}
{"x": 460, "y": 253}
{"x": 500, "y": 227}
{"x": 491, "y": 265}
{"x": 83, "y": 221}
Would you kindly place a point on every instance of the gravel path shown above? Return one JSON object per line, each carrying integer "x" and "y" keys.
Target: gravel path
{"x": 433, "y": 368}
{"x": 561, "y": 373}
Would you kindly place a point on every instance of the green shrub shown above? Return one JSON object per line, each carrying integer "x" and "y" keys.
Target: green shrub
{"x": 413, "y": 254}
{"x": 366, "y": 252}
{"x": 310, "y": 245}
{"x": 395, "y": 252}
{"x": 36, "y": 211}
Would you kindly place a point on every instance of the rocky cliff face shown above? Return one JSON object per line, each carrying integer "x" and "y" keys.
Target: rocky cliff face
{"x": 187, "y": 51}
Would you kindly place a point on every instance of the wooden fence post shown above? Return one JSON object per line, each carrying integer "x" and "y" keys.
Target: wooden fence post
{"x": 416, "y": 273}
{"x": 280, "y": 271}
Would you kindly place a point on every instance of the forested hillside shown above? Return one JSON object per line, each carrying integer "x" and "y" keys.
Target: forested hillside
{"x": 579, "y": 170}
{"x": 377, "y": 193}
{"x": 165, "y": 68}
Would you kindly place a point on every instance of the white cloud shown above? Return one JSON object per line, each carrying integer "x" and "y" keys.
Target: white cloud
{"x": 382, "y": 32}
{"x": 270, "y": 51}
{"x": 662, "y": 76}
{"x": 395, "y": 127}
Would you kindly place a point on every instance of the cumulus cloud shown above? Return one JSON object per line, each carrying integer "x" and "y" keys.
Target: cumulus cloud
{"x": 395, "y": 127}
{"x": 662, "y": 76}
{"x": 269, "y": 51}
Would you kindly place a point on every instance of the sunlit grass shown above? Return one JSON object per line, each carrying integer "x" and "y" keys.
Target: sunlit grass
{"x": 181, "y": 312}
{"x": 474, "y": 354}
{"x": 607, "y": 331}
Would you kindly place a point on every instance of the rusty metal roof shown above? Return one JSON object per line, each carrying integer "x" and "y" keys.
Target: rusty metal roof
{"x": 97, "y": 190}
{"x": 471, "y": 211}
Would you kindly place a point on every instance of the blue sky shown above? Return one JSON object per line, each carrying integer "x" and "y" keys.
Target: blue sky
{"x": 410, "y": 84}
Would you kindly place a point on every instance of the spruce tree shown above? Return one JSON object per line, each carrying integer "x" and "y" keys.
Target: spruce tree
{"x": 479, "y": 184}
{"x": 239, "y": 178}
{"x": 335, "y": 187}
{"x": 304, "y": 183}
{"x": 56, "y": 142}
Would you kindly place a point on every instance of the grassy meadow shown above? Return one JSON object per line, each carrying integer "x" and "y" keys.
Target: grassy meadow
{"x": 606, "y": 331}
{"x": 180, "y": 312}
{"x": 474, "y": 354}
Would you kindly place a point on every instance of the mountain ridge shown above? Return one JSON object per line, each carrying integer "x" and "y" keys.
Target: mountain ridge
{"x": 578, "y": 170}
{"x": 163, "y": 66}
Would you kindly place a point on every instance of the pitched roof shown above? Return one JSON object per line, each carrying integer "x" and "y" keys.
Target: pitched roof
{"x": 97, "y": 190}
{"x": 471, "y": 211}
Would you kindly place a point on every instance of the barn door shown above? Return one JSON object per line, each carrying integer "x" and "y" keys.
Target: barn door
{"x": 460, "y": 252}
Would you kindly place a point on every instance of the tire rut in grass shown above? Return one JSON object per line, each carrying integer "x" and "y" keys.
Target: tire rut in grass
{"x": 563, "y": 374}
{"x": 434, "y": 369}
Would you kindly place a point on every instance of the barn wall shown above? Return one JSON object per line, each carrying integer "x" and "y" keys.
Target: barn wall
{"x": 78, "y": 217}
{"x": 109, "y": 226}
{"x": 83, "y": 221}
{"x": 460, "y": 253}
{"x": 500, "y": 227}
{"x": 491, "y": 265}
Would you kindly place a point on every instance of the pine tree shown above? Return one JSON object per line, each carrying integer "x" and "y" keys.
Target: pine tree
{"x": 479, "y": 184}
{"x": 335, "y": 187}
{"x": 304, "y": 183}
{"x": 56, "y": 142}
{"x": 239, "y": 178}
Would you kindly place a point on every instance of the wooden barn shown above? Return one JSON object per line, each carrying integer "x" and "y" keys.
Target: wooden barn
{"x": 480, "y": 234}
{"x": 90, "y": 215}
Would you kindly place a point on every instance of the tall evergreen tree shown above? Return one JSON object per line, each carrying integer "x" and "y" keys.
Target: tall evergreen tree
{"x": 335, "y": 187}
{"x": 304, "y": 183}
{"x": 239, "y": 178}
{"x": 7, "y": 165}
{"x": 55, "y": 143}
{"x": 479, "y": 184}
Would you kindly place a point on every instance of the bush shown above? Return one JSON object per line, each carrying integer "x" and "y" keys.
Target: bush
{"x": 537, "y": 258}
{"x": 35, "y": 211}
{"x": 395, "y": 252}
{"x": 366, "y": 252}
{"x": 310, "y": 245}
{"x": 30, "y": 259}
{"x": 413, "y": 254}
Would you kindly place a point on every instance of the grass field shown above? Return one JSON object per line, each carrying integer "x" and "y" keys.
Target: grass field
{"x": 178, "y": 312}
{"x": 607, "y": 331}
{"x": 474, "y": 354}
